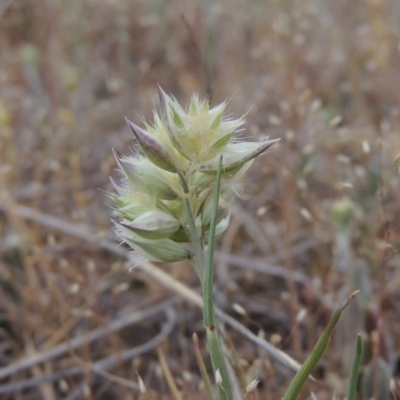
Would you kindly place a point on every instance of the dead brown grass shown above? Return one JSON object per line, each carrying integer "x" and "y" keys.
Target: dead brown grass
{"x": 323, "y": 76}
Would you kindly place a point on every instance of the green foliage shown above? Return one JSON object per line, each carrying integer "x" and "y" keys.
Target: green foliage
{"x": 319, "y": 349}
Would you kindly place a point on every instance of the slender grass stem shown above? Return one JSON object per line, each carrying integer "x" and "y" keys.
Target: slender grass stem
{"x": 214, "y": 343}
{"x": 209, "y": 270}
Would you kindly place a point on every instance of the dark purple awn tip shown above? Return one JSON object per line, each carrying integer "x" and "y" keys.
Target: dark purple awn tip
{"x": 162, "y": 95}
{"x": 153, "y": 148}
{"x": 135, "y": 128}
{"x": 143, "y": 137}
{"x": 152, "y": 143}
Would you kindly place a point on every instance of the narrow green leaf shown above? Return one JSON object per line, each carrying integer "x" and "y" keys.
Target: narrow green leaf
{"x": 219, "y": 363}
{"x": 352, "y": 390}
{"x": 305, "y": 370}
{"x": 214, "y": 343}
{"x": 375, "y": 382}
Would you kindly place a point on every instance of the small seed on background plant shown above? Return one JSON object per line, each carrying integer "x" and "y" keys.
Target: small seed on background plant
{"x": 63, "y": 263}
{"x": 316, "y": 105}
{"x": 51, "y": 240}
{"x": 187, "y": 376}
{"x": 275, "y": 339}
{"x": 87, "y": 393}
{"x": 336, "y": 121}
{"x": 63, "y": 385}
{"x": 252, "y": 385}
{"x": 274, "y": 120}
{"x": 343, "y": 159}
{"x": 243, "y": 363}
{"x": 74, "y": 288}
{"x": 239, "y": 309}
{"x": 91, "y": 266}
{"x": 142, "y": 386}
{"x": 308, "y": 149}
{"x": 306, "y": 215}
{"x": 301, "y": 315}
{"x": 344, "y": 185}
{"x": 261, "y": 211}
{"x": 122, "y": 287}
{"x": 366, "y": 147}
{"x": 284, "y": 106}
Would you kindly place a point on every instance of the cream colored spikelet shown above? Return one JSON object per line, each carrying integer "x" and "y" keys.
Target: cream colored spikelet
{"x": 180, "y": 145}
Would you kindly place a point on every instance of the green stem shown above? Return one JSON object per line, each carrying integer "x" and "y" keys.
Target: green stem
{"x": 209, "y": 318}
{"x": 214, "y": 343}
{"x": 205, "y": 272}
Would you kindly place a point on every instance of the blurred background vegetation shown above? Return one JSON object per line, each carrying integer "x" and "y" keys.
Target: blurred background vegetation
{"x": 319, "y": 216}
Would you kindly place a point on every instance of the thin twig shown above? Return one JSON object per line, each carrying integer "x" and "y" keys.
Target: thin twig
{"x": 114, "y": 378}
{"x": 102, "y": 365}
{"x": 168, "y": 375}
{"x": 259, "y": 266}
{"x": 253, "y": 228}
{"x": 77, "y": 230}
{"x": 79, "y": 341}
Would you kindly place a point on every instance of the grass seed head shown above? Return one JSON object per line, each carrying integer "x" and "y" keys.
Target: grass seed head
{"x": 149, "y": 203}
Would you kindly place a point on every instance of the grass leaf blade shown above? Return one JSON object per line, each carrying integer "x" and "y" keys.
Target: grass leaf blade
{"x": 319, "y": 349}
{"x": 352, "y": 390}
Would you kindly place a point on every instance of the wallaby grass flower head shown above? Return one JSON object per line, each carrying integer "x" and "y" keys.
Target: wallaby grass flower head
{"x": 178, "y": 161}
